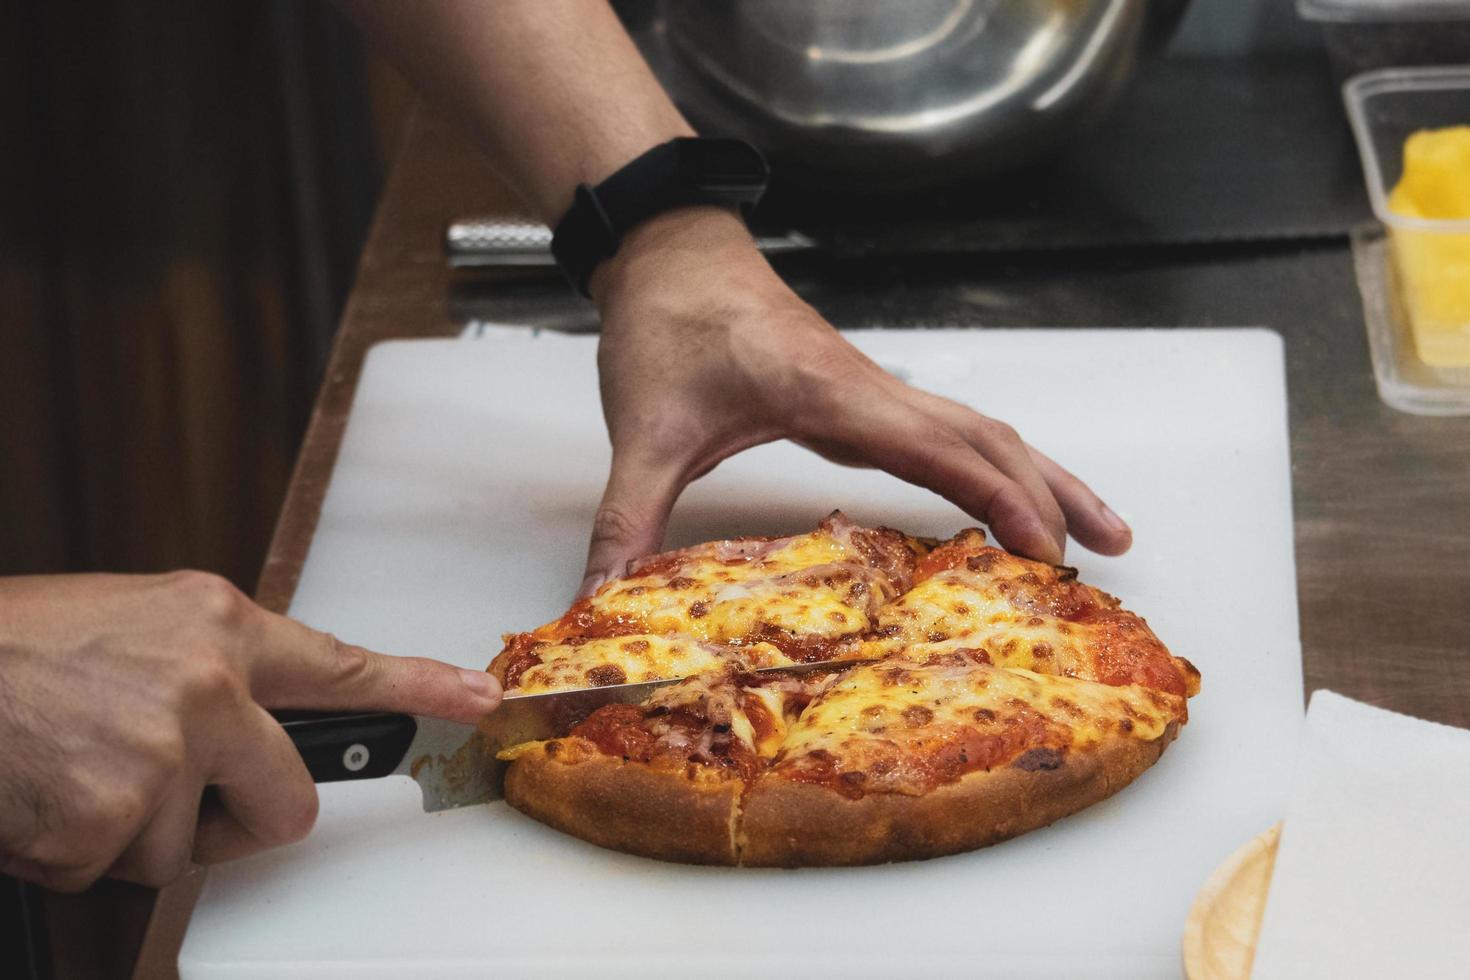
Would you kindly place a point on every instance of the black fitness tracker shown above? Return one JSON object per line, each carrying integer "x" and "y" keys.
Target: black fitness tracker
{"x": 676, "y": 174}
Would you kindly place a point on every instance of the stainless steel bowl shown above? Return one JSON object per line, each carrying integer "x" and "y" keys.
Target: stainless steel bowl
{"x": 899, "y": 93}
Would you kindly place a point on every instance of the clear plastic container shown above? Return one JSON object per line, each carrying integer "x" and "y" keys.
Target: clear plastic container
{"x": 1361, "y": 35}
{"x": 1425, "y": 267}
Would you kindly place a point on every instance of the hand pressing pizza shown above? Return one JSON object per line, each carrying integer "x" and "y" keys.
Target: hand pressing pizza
{"x": 991, "y": 695}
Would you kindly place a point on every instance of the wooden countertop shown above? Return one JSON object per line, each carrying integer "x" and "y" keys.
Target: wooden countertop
{"x": 1381, "y": 499}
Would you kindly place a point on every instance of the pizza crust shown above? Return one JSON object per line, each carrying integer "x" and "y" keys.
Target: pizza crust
{"x": 628, "y": 806}
{"x": 792, "y": 824}
{"x": 664, "y": 814}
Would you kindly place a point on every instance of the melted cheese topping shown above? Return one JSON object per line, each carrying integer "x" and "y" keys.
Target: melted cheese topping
{"x": 988, "y": 660}
{"x": 635, "y": 659}
{"x": 902, "y": 727}
{"x": 522, "y": 749}
{"x": 767, "y": 745}
{"x": 757, "y": 714}
{"x": 721, "y": 698}
{"x": 1025, "y": 614}
{"x": 812, "y": 585}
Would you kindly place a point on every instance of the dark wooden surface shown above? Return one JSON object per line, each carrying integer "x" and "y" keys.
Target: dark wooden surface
{"x": 1380, "y": 498}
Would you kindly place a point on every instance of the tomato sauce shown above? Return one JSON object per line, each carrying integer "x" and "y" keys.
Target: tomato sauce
{"x": 583, "y": 622}
{"x": 617, "y": 729}
{"x": 1128, "y": 653}
{"x": 969, "y": 551}
{"x": 802, "y": 649}
{"x": 762, "y": 722}
{"x": 661, "y": 565}
{"x": 627, "y": 731}
{"x": 819, "y": 767}
{"x": 522, "y": 655}
{"x": 941, "y": 559}
{"x": 940, "y": 756}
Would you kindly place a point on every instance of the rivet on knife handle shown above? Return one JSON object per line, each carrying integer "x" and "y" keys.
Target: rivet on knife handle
{"x": 368, "y": 745}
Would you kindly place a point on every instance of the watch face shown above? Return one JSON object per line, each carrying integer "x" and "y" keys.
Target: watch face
{"x": 725, "y": 165}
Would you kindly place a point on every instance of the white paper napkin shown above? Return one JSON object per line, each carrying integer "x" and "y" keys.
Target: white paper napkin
{"x": 1372, "y": 876}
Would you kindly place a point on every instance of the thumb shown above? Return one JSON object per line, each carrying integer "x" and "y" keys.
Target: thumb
{"x": 294, "y": 666}
{"x": 631, "y": 518}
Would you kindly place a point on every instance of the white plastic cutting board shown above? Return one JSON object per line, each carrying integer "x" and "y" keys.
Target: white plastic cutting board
{"x": 458, "y": 509}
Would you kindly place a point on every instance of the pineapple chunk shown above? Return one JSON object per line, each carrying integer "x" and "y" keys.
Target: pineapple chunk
{"x": 1434, "y": 266}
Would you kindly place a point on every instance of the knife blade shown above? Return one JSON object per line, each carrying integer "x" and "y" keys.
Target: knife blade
{"x": 454, "y": 763}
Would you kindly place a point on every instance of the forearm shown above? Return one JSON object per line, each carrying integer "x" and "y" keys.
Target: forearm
{"x": 554, "y": 90}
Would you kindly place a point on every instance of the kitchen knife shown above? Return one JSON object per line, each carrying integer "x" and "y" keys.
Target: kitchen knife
{"x": 453, "y": 763}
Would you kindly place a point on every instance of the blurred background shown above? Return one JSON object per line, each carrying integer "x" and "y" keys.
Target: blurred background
{"x": 184, "y": 189}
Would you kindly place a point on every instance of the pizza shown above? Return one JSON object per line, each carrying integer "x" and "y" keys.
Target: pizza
{"x": 961, "y": 696}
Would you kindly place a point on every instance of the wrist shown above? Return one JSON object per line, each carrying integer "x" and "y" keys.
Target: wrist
{"x": 713, "y": 172}
{"x": 681, "y": 247}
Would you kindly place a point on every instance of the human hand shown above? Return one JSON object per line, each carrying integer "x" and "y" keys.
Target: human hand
{"x": 706, "y": 352}
{"x": 123, "y": 697}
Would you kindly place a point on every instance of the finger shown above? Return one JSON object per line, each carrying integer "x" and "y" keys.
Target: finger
{"x": 107, "y": 810}
{"x": 261, "y": 784}
{"x": 58, "y": 877}
{"x": 1091, "y": 521}
{"x": 162, "y": 852}
{"x": 219, "y": 835}
{"x": 12, "y": 866}
{"x": 632, "y": 516}
{"x": 1081, "y": 511}
{"x": 1002, "y": 447}
{"x": 291, "y": 665}
{"x": 914, "y": 446}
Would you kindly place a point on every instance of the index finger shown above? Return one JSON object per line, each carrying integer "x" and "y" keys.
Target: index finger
{"x": 926, "y": 451}
{"x": 1084, "y": 514}
{"x": 291, "y": 665}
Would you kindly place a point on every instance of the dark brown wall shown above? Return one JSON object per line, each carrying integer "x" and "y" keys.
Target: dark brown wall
{"x": 183, "y": 189}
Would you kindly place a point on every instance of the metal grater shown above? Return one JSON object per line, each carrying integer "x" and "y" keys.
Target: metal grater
{"x": 486, "y": 242}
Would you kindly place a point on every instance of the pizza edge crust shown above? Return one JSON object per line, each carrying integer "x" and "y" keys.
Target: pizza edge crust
{"x": 629, "y": 806}
{"x": 496, "y": 669}
{"x": 790, "y": 824}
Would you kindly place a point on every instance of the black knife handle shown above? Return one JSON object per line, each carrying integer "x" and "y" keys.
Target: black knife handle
{"x": 352, "y": 745}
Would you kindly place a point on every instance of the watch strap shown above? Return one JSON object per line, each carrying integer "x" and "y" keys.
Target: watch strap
{"x": 680, "y": 173}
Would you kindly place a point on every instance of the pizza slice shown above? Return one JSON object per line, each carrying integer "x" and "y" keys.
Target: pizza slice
{"x": 531, "y": 666}
{"x": 967, "y": 595}
{"x": 664, "y": 778}
{"x": 901, "y": 760}
{"x": 811, "y": 596}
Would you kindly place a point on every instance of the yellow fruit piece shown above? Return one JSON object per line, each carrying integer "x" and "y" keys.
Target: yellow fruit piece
{"x": 1436, "y": 181}
{"x": 1434, "y": 266}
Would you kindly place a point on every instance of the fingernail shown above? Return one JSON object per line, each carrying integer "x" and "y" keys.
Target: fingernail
{"x": 481, "y": 684}
{"x": 1041, "y": 545}
{"x": 1113, "y": 521}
